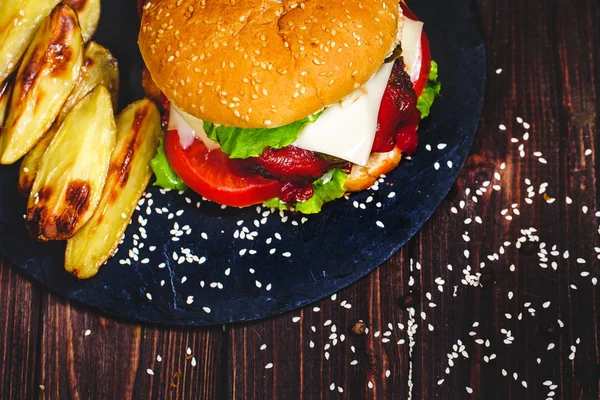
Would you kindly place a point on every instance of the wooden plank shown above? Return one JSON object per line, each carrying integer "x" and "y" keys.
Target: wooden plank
{"x": 19, "y": 326}
{"x": 578, "y": 55}
{"x": 297, "y": 345}
{"x": 192, "y": 366}
{"x": 547, "y": 82}
{"x": 85, "y": 356}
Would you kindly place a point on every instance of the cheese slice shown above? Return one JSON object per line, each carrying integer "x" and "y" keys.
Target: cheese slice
{"x": 411, "y": 47}
{"x": 189, "y": 128}
{"x": 347, "y": 129}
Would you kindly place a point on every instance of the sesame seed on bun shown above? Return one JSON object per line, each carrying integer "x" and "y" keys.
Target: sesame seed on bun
{"x": 251, "y": 64}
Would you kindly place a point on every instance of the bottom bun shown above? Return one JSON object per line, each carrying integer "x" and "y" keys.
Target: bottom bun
{"x": 362, "y": 178}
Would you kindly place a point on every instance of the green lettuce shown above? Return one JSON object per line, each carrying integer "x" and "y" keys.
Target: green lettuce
{"x": 431, "y": 91}
{"x": 251, "y": 142}
{"x": 327, "y": 188}
{"x": 276, "y": 204}
{"x": 165, "y": 176}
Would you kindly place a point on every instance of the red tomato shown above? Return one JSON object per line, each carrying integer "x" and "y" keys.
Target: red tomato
{"x": 398, "y": 126}
{"x": 419, "y": 85}
{"x": 407, "y": 138}
{"x": 215, "y": 176}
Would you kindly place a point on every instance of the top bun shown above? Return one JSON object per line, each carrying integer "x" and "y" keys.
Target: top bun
{"x": 252, "y": 64}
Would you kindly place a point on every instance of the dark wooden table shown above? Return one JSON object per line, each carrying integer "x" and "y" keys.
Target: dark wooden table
{"x": 497, "y": 322}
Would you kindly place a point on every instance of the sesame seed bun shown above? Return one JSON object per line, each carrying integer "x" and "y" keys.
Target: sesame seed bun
{"x": 362, "y": 178}
{"x": 251, "y": 64}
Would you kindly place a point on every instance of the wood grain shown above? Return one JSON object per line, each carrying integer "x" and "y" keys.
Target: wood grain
{"x": 549, "y": 53}
{"x": 19, "y": 333}
{"x": 100, "y": 364}
{"x": 179, "y": 375}
{"x": 298, "y": 350}
{"x": 545, "y": 82}
{"x": 85, "y": 356}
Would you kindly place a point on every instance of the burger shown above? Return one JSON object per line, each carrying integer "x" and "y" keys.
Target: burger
{"x": 288, "y": 103}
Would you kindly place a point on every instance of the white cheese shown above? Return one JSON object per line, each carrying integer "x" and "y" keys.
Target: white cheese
{"x": 411, "y": 47}
{"x": 189, "y": 128}
{"x": 347, "y": 129}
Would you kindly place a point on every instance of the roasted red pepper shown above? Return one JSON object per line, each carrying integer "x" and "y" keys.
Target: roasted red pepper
{"x": 293, "y": 164}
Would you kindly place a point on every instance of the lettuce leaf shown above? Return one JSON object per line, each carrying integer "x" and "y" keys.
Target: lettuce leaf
{"x": 430, "y": 92}
{"x": 276, "y": 204}
{"x": 327, "y": 188}
{"x": 166, "y": 178}
{"x": 251, "y": 142}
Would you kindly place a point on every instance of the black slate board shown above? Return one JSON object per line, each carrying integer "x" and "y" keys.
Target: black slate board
{"x": 328, "y": 251}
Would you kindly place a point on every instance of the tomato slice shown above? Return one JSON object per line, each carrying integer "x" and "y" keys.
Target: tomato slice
{"x": 397, "y": 126}
{"x": 215, "y": 176}
{"x": 419, "y": 85}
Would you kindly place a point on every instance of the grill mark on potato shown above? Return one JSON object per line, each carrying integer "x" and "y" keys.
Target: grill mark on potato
{"x": 121, "y": 169}
{"x": 30, "y": 75}
{"x": 44, "y": 193}
{"x": 25, "y": 184}
{"x": 45, "y": 225}
{"x": 78, "y": 201}
{"x": 78, "y": 195}
{"x": 34, "y": 222}
{"x": 57, "y": 55}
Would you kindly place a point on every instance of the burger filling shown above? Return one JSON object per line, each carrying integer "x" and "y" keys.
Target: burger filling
{"x": 303, "y": 165}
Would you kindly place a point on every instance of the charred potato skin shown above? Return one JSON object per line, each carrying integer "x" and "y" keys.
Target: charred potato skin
{"x": 72, "y": 173}
{"x": 99, "y": 68}
{"x": 19, "y": 21}
{"x": 46, "y": 77}
{"x": 138, "y": 129}
{"x": 89, "y": 15}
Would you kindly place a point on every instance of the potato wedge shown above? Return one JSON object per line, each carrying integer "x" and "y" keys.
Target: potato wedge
{"x": 19, "y": 20}
{"x": 138, "y": 129}
{"x": 31, "y": 161}
{"x": 5, "y": 89}
{"x": 99, "y": 68}
{"x": 45, "y": 78}
{"x": 69, "y": 183}
{"x": 89, "y": 15}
